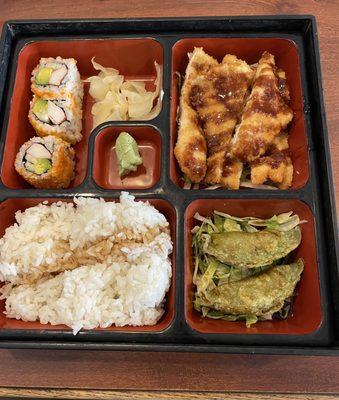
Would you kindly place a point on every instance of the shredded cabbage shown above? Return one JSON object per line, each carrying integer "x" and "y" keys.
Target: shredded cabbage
{"x": 246, "y": 184}
{"x": 250, "y": 185}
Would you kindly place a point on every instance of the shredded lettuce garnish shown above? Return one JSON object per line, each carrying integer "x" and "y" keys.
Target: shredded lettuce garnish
{"x": 249, "y": 185}
{"x": 246, "y": 172}
{"x": 243, "y": 183}
{"x": 187, "y": 183}
{"x": 180, "y": 79}
{"x": 213, "y": 187}
{"x": 214, "y": 314}
{"x": 282, "y": 222}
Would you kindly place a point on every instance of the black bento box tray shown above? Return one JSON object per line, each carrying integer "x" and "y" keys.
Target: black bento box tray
{"x": 318, "y": 192}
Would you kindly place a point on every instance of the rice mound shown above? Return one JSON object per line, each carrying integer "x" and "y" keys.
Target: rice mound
{"x": 88, "y": 264}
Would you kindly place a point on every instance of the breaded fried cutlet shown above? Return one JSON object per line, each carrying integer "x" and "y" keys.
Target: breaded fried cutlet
{"x": 219, "y": 109}
{"x": 266, "y": 113}
{"x": 190, "y": 149}
{"x": 276, "y": 166}
{"x": 216, "y": 92}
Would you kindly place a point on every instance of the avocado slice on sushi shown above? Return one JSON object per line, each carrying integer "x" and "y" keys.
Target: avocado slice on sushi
{"x": 43, "y": 76}
{"x": 39, "y": 167}
{"x": 48, "y": 112}
{"x": 40, "y": 109}
{"x": 42, "y": 165}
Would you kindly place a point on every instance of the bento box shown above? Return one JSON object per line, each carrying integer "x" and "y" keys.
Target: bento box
{"x": 134, "y": 47}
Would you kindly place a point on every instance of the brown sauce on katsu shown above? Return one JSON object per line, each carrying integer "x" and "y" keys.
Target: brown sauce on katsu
{"x": 266, "y": 103}
{"x": 196, "y": 169}
{"x": 274, "y": 98}
{"x": 228, "y": 87}
{"x": 252, "y": 147}
{"x": 196, "y": 97}
{"x": 197, "y": 145}
{"x": 213, "y": 141}
{"x": 201, "y": 68}
{"x": 274, "y": 158}
{"x": 223, "y": 90}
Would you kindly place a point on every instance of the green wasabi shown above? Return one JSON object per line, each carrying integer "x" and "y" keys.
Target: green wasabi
{"x": 127, "y": 152}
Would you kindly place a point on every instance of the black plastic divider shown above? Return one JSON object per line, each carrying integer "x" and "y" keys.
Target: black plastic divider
{"x": 170, "y": 347}
{"x": 324, "y": 195}
{"x": 317, "y": 193}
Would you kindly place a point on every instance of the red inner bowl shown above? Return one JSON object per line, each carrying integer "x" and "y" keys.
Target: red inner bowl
{"x": 250, "y": 50}
{"x": 105, "y": 169}
{"x": 118, "y": 53}
{"x": 307, "y": 313}
{"x": 7, "y": 218}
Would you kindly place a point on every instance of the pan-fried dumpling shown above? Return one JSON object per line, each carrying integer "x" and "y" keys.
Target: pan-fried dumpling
{"x": 258, "y": 295}
{"x": 253, "y": 249}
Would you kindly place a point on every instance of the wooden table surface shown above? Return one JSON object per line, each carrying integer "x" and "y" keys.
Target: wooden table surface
{"x": 120, "y": 375}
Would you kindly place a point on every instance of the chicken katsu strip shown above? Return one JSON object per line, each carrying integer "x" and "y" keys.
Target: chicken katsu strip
{"x": 266, "y": 113}
{"x": 190, "y": 149}
{"x": 217, "y": 94}
{"x": 275, "y": 166}
{"x": 219, "y": 105}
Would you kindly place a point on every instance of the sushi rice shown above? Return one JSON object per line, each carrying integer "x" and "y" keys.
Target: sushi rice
{"x": 88, "y": 264}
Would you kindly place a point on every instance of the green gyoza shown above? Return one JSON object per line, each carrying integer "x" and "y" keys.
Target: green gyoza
{"x": 252, "y": 249}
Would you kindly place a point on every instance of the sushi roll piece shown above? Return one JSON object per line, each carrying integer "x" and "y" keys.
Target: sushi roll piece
{"x": 46, "y": 163}
{"x": 55, "y": 78}
{"x": 58, "y": 117}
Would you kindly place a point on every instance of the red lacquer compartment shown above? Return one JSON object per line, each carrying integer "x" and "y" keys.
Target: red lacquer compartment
{"x": 134, "y": 58}
{"x": 250, "y": 50}
{"x": 105, "y": 166}
{"x": 7, "y": 218}
{"x": 307, "y": 313}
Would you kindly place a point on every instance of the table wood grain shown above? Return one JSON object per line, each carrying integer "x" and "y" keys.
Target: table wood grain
{"x": 163, "y": 395}
{"x": 123, "y": 375}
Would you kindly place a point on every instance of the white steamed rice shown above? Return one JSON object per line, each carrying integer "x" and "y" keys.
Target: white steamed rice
{"x": 124, "y": 285}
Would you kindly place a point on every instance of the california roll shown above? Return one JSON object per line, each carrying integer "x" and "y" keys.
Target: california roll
{"x": 58, "y": 117}
{"x": 46, "y": 163}
{"x": 55, "y": 78}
